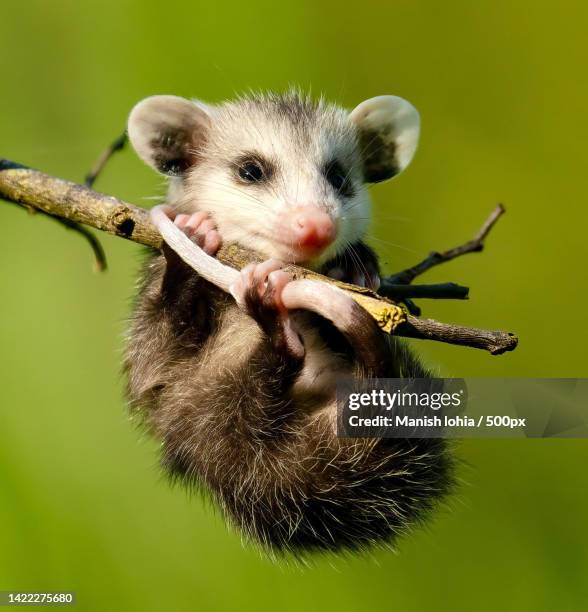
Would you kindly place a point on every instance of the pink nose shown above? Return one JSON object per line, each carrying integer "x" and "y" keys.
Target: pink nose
{"x": 312, "y": 228}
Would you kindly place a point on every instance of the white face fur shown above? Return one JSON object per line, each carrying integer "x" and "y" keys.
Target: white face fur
{"x": 252, "y": 162}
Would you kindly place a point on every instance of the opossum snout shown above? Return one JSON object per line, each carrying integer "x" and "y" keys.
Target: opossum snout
{"x": 307, "y": 229}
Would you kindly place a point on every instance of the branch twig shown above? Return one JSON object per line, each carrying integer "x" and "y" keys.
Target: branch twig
{"x": 116, "y": 145}
{"x": 437, "y": 291}
{"x": 434, "y": 259}
{"x": 99, "y": 254}
{"x": 59, "y": 198}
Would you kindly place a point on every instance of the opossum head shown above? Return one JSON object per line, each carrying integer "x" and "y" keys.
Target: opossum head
{"x": 281, "y": 174}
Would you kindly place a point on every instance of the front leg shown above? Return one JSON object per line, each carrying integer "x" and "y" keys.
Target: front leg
{"x": 176, "y": 312}
{"x": 185, "y": 295}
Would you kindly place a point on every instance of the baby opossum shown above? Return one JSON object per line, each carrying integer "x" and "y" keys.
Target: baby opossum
{"x": 240, "y": 391}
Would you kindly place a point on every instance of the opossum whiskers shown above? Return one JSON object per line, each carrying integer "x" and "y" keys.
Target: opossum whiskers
{"x": 357, "y": 260}
{"x": 393, "y": 244}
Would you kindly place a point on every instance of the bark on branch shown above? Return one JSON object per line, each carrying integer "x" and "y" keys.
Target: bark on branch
{"x": 77, "y": 204}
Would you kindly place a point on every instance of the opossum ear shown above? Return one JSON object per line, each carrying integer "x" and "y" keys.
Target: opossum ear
{"x": 166, "y": 132}
{"x": 388, "y": 134}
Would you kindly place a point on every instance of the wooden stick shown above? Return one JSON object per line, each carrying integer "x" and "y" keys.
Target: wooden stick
{"x": 35, "y": 190}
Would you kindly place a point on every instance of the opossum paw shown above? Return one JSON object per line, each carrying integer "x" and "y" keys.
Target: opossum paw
{"x": 258, "y": 290}
{"x": 201, "y": 229}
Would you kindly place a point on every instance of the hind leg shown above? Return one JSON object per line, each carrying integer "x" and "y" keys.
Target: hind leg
{"x": 258, "y": 290}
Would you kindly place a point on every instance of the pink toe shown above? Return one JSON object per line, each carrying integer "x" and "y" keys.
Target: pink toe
{"x": 263, "y": 269}
{"x": 199, "y": 239}
{"x": 212, "y": 242}
{"x": 196, "y": 219}
{"x": 181, "y": 220}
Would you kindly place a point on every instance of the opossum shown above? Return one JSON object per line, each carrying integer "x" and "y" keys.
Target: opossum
{"x": 241, "y": 391}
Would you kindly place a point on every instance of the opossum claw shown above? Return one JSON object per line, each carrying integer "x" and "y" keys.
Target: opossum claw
{"x": 201, "y": 229}
{"x": 258, "y": 290}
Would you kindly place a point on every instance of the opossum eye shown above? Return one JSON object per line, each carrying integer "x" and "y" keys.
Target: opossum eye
{"x": 251, "y": 172}
{"x": 335, "y": 175}
{"x": 338, "y": 178}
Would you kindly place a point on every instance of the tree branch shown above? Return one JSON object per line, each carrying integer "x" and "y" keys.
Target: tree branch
{"x": 78, "y": 204}
{"x": 435, "y": 258}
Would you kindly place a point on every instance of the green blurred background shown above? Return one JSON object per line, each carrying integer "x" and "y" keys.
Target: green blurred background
{"x": 501, "y": 87}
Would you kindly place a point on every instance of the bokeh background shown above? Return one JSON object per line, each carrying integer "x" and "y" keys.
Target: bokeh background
{"x": 502, "y": 91}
